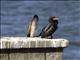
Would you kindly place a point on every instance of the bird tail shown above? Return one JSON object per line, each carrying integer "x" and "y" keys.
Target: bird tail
{"x": 38, "y": 35}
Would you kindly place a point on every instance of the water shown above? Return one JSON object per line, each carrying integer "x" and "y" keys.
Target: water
{"x": 15, "y": 16}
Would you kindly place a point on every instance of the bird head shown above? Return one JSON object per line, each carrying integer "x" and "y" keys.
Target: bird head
{"x": 53, "y": 19}
{"x": 36, "y": 17}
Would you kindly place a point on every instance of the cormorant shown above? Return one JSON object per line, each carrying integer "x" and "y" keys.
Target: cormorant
{"x": 50, "y": 28}
{"x": 32, "y": 26}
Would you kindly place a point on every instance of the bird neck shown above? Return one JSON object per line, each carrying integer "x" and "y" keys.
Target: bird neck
{"x": 54, "y": 22}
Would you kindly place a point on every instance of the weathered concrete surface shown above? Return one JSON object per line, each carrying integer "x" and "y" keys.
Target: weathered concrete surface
{"x": 23, "y": 42}
{"x": 22, "y": 48}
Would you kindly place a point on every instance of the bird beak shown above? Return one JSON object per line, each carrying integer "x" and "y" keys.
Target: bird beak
{"x": 55, "y": 18}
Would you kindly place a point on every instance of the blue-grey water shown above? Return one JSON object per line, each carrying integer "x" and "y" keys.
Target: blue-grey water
{"x": 15, "y": 16}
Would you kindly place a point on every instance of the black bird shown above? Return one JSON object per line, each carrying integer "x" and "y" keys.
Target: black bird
{"x": 50, "y": 28}
{"x": 32, "y": 26}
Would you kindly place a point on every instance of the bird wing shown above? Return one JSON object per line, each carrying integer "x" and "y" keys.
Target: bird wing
{"x": 49, "y": 30}
{"x": 46, "y": 27}
{"x": 29, "y": 29}
{"x": 45, "y": 30}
